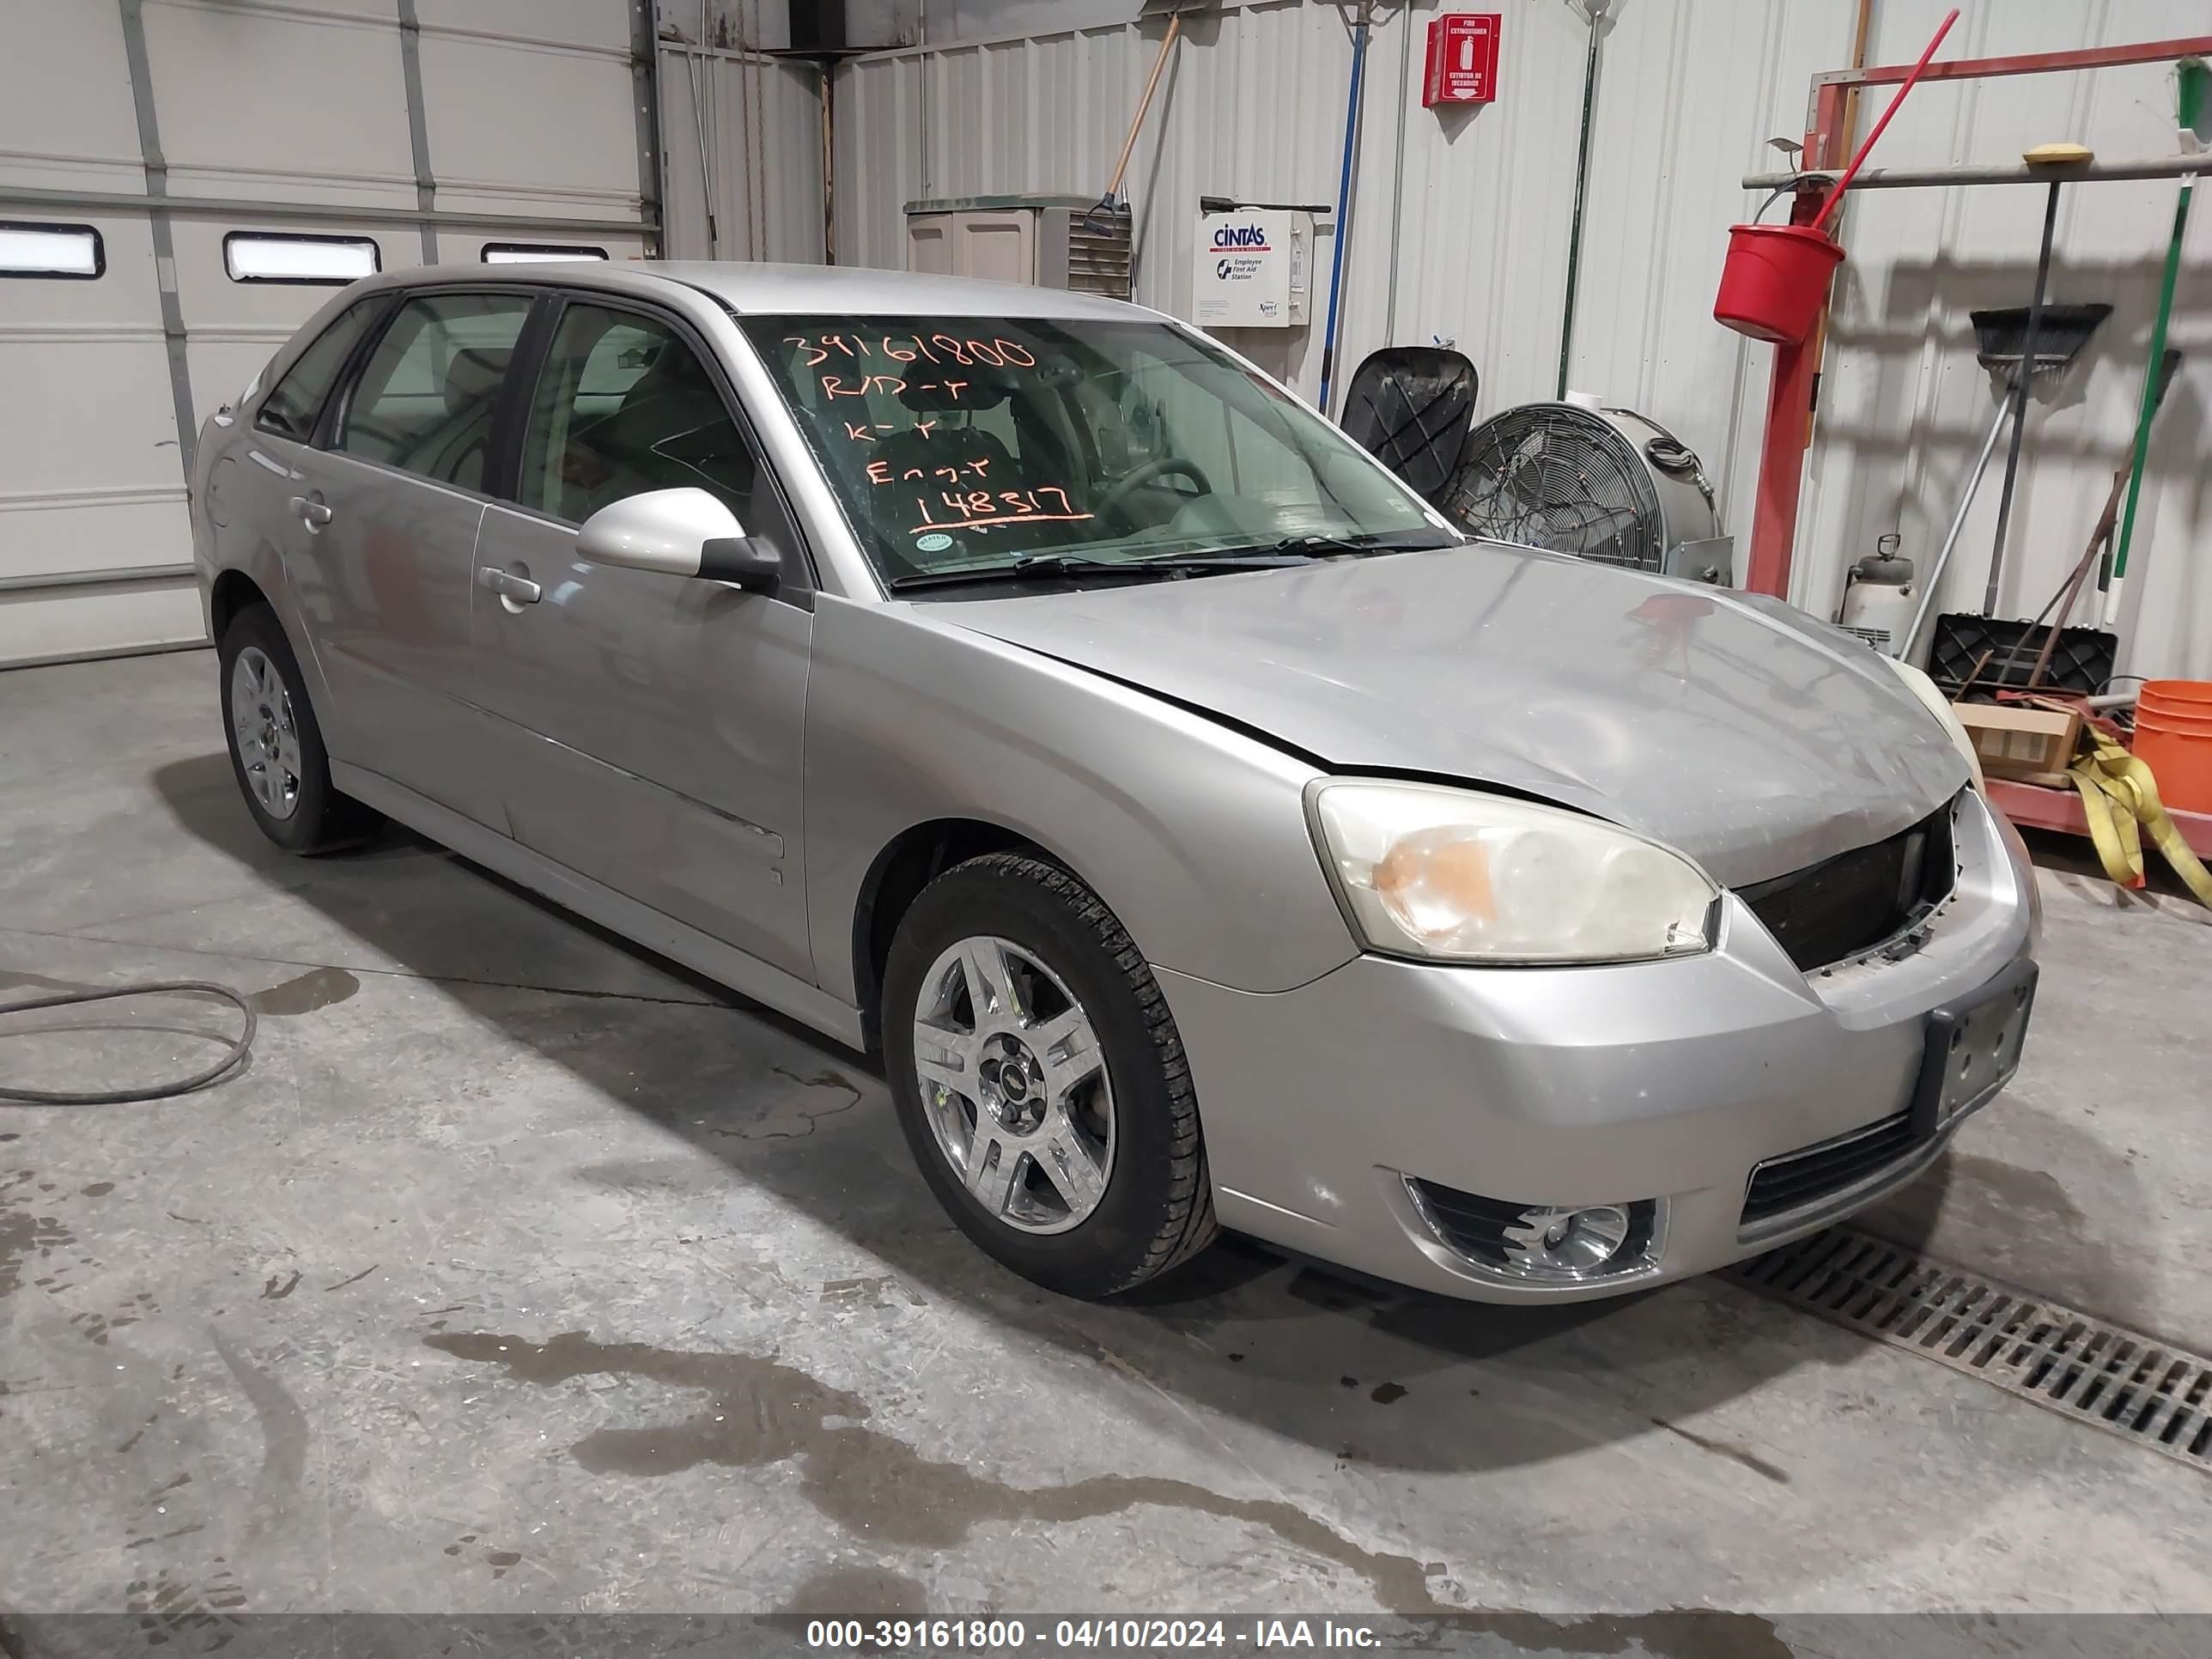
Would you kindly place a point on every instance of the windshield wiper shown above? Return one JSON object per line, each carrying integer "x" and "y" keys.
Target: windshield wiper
{"x": 1316, "y": 546}
{"x": 1052, "y": 566}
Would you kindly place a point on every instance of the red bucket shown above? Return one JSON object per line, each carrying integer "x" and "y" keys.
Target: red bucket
{"x": 1774, "y": 281}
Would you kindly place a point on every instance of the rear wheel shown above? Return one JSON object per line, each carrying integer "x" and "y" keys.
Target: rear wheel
{"x": 1040, "y": 1079}
{"x": 276, "y": 746}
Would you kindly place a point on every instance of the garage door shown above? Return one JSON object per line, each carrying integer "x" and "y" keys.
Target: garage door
{"x": 182, "y": 182}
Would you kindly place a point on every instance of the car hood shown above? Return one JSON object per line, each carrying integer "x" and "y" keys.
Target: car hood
{"x": 1730, "y": 727}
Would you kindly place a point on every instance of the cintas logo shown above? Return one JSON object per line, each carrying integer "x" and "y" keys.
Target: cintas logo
{"x": 1252, "y": 239}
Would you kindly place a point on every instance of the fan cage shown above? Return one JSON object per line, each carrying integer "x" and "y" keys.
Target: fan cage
{"x": 1555, "y": 477}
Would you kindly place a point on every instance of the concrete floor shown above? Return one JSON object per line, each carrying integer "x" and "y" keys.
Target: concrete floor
{"x": 522, "y": 1272}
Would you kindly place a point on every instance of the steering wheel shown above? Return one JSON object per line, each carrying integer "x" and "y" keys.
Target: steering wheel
{"x": 1116, "y": 500}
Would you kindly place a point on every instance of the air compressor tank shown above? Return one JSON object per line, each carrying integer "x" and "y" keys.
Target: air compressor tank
{"x": 1879, "y": 597}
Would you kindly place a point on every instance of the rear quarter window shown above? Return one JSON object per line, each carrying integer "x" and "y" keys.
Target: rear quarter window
{"x": 295, "y": 403}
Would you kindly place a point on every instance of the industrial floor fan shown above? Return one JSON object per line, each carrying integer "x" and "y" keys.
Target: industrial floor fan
{"x": 1607, "y": 484}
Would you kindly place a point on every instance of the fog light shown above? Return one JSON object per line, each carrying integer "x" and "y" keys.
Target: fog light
{"x": 1567, "y": 1244}
{"x": 1561, "y": 1245}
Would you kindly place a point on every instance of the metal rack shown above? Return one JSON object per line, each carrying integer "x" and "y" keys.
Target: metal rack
{"x": 1789, "y": 393}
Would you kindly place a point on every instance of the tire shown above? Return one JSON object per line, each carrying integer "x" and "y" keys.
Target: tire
{"x": 1071, "y": 968}
{"x": 286, "y": 786}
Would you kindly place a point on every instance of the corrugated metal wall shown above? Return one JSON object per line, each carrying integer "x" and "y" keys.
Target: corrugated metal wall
{"x": 755, "y": 122}
{"x": 1253, "y": 104}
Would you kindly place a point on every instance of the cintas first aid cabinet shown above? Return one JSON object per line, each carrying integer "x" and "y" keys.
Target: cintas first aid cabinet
{"x": 1252, "y": 267}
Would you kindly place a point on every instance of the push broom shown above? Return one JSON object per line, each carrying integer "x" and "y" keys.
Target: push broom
{"x": 2195, "y": 125}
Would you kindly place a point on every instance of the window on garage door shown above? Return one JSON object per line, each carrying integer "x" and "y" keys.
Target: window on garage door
{"x": 72, "y": 252}
{"x": 424, "y": 403}
{"x": 291, "y": 409}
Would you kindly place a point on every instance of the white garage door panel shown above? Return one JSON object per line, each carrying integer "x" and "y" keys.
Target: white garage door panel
{"x": 568, "y": 23}
{"x": 515, "y": 128}
{"x": 110, "y": 528}
{"x": 99, "y": 420}
{"x": 276, "y": 117}
{"x": 88, "y": 441}
{"x": 253, "y": 101}
{"x": 56, "y": 624}
{"x": 59, "y": 130}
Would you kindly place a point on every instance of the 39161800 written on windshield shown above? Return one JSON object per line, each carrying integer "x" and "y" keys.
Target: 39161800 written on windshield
{"x": 965, "y": 443}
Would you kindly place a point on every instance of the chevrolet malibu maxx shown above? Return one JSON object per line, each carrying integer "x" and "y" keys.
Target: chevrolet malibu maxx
{"x": 1206, "y": 832}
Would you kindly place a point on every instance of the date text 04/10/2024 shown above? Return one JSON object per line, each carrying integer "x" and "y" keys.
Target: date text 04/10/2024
{"x": 1004, "y": 1634}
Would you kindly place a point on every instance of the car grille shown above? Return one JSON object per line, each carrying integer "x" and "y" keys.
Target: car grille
{"x": 1790, "y": 1182}
{"x": 1854, "y": 901}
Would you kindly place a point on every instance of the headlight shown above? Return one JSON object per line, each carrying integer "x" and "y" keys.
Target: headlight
{"x": 1924, "y": 688}
{"x": 1424, "y": 871}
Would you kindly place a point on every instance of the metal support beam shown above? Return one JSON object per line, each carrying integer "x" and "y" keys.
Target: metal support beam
{"x": 645, "y": 95}
{"x": 1824, "y": 117}
{"x": 418, "y": 126}
{"x": 2037, "y": 808}
{"x": 2064, "y": 172}
{"x": 2027, "y": 63}
{"x": 165, "y": 252}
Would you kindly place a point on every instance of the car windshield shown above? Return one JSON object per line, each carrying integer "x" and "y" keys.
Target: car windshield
{"x": 974, "y": 444}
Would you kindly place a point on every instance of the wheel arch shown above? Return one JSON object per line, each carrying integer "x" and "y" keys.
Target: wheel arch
{"x": 912, "y": 860}
{"x": 232, "y": 592}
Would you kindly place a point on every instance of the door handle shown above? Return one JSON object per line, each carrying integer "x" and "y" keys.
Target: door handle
{"x": 312, "y": 511}
{"x": 520, "y": 590}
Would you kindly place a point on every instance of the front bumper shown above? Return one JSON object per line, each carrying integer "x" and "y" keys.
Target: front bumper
{"x": 1572, "y": 1086}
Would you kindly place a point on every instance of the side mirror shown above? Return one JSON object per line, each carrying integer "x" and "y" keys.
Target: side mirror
{"x": 679, "y": 532}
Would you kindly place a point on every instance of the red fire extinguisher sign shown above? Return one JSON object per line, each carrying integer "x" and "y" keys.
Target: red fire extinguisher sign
{"x": 1462, "y": 62}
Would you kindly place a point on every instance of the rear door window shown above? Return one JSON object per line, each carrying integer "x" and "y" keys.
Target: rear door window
{"x": 291, "y": 409}
{"x": 424, "y": 402}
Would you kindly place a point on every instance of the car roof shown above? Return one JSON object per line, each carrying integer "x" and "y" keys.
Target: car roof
{"x": 777, "y": 289}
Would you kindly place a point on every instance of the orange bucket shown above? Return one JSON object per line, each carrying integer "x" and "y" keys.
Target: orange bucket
{"x": 1774, "y": 281}
{"x": 2173, "y": 738}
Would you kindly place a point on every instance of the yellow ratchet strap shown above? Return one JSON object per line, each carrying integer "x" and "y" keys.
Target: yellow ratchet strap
{"x": 2119, "y": 798}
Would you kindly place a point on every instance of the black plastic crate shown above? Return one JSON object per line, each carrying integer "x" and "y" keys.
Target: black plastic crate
{"x": 2081, "y": 662}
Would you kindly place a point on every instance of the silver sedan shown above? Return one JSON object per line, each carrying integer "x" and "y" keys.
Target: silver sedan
{"x": 1206, "y": 832}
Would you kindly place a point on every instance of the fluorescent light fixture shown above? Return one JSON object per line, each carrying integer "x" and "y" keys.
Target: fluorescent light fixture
{"x": 69, "y": 251}
{"x": 534, "y": 253}
{"x": 333, "y": 261}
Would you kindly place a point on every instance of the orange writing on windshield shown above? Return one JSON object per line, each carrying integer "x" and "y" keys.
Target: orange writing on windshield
{"x": 981, "y": 510}
{"x": 906, "y": 348}
{"x": 942, "y": 381}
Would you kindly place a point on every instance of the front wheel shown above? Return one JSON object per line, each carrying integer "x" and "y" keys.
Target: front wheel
{"x": 1040, "y": 1080}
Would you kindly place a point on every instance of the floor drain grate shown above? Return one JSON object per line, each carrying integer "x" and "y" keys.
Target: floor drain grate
{"x": 2147, "y": 1391}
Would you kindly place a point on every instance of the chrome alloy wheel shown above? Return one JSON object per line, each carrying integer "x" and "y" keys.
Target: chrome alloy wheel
{"x": 268, "y": 735}
{"x": 1014, "y": 1085}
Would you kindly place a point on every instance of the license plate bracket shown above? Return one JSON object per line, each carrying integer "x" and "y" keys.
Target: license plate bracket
{"x": 1973, "y": 1050}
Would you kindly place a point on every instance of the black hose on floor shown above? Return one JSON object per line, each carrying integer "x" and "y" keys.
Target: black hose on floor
{"x": 183, "y": 1086}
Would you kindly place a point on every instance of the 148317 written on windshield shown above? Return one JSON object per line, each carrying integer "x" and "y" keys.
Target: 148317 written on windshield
{"x": 957, "y": 490}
